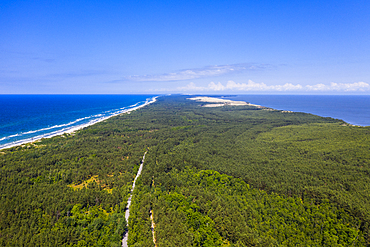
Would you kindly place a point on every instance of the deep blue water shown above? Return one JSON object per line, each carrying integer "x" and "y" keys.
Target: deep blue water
{"x": 353, "y": 109}
{"x": 25, "y": 118}
{"x": 29, "y": 117}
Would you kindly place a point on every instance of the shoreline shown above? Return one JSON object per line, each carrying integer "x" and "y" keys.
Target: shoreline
{"x": 76, "y": 128}
{"x": 217, "y": 102}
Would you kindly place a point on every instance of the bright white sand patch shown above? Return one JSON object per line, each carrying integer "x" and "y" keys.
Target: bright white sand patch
{"x": 221, "y": 102}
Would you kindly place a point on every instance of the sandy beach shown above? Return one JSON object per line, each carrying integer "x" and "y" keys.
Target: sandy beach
{"x": 74, "y": 129}
{"x": 217, "y": 102}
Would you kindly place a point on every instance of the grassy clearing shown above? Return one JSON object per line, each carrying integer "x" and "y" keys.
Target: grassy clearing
{"x": 90, "y": 180}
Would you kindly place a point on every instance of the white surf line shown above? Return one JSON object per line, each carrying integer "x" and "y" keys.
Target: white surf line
{"x": 73, "y": 129}
{"x": 127, "y": 213}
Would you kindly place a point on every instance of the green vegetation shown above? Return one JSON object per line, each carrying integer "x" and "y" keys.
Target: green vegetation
{"x": 228, "y": 176}
{"x": 219, "y": 210}
{"x": 68, "y": 190}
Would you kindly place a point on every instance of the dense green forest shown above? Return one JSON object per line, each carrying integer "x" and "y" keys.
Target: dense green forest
{"x": 222, "y": 176}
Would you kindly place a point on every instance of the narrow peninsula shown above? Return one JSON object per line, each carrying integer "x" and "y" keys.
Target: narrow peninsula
{"x": 217, "y": 173}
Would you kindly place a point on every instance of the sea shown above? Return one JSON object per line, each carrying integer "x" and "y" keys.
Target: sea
{"x": 353, "y": 109}
{"x": 26, "y": 118}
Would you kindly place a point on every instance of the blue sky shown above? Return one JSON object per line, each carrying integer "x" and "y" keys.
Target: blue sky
{"x": 200, "y": 47}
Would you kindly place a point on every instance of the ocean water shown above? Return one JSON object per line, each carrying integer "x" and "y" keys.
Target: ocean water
{"x": 24, "y": 118}
{"x": 353, "y": 109}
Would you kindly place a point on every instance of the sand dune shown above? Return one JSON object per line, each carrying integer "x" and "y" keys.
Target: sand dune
{"x": 217, "y": 102}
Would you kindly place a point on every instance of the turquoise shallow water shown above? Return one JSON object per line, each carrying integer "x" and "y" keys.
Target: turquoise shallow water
{"x": 29, "y": 117}
{"x": 353, "y": 109}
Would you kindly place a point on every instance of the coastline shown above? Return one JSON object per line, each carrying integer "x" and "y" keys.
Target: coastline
{"x": 352, "y": 109}
{"x": 109, "y": 149}
{"x": 217, "y": 102}
{"x": 76, "y": 128}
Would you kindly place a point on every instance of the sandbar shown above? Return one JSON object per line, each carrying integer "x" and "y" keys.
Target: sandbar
{"x": 217, "y": 102}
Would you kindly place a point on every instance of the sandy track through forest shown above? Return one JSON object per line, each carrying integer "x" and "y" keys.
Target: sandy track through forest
{"x": 127, "y": 214}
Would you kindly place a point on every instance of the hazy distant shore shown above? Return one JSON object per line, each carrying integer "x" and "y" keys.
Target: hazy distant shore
{"x": 75, "y": 128}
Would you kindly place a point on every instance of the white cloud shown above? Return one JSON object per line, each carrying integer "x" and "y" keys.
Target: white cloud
{"x": 216, "y": 87}
{"x": 288, "y": 87}
{"x": 249, "y": 86}
{"x": 317, "y": 87}
{"x": 191, "y": 87}
{"x": 252, "y": 86}
{"x": 208, "y": 71}
{"x": 345, "y": 87}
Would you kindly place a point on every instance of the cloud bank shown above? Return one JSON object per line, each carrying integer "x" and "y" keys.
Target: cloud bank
{"x": 208, "y": 71}
{"x": 252, "y": 86}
